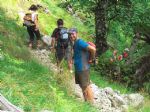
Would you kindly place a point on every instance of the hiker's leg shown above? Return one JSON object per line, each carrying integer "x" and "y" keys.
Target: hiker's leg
{"x": 37, "y": 33}
{"x": 77, "y": 79}
{"x": 85, "y": 85}
{"x": 31, "y": 34}
{"x": 38, "y": 37}
{"x": 70, "y": 64}
{"x": 59, "y": 57}
{"x": 88, "y": 93}
{"x": 68, "y": 56}
{"x": 56, "y": 56}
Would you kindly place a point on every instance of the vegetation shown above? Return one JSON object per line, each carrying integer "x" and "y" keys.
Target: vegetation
{"x": 23, "y": 81}
{"x": 34, "y": 87}
{"x": 121, "y": 24}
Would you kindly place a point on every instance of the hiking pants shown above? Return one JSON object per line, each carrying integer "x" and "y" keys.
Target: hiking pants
{"x": 32, "y": 32}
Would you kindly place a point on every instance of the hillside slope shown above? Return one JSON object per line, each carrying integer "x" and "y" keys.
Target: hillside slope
{"x": 23, "y": 81}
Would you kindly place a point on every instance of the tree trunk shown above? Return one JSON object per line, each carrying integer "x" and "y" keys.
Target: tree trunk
{"x": 132, "y": 48}
{"x": 100, "y": 27}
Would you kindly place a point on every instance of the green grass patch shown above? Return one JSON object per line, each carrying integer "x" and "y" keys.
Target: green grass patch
{"x": 32, "y": 87}
{"x": 23, "y": 81}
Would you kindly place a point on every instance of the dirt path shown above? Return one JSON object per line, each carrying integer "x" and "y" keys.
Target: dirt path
{"x": 105, "y": 99}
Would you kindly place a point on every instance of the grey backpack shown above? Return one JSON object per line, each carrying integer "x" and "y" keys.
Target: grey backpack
{"x": 63, "y": 37}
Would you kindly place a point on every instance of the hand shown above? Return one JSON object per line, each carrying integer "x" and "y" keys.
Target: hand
{"x": 90, "y": 61}
{"x": 94, "y": 61}
{"x": 36, "y": 29}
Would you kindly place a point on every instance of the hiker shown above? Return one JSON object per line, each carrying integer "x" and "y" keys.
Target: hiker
{"x": 62, "y": 44}
{"x": 31, "y": 22}
{"x": 81, "y": 63}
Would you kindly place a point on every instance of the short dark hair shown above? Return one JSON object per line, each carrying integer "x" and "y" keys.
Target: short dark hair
{"x": 33, "y": 7}
{"x": 60, "y": 22}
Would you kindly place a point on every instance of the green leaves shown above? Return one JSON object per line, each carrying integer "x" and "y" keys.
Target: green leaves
{"x": 85, "y": 5}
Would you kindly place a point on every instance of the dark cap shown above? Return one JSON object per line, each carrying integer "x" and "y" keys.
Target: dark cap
{"x": 71, "y": 30}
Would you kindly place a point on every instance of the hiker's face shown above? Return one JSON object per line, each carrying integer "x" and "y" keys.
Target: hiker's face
{"x": 73, "y": 36}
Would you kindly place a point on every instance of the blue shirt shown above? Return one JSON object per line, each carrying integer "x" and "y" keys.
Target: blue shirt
{"x": 81, "y": 55}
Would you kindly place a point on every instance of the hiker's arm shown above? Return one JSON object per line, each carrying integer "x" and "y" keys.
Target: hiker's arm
{"x": 53, "y": 36}
{"x": 36, "y": 22}
{"x": 92, "y": 50}
{"x": 53, "y": 42}
{"x": 24, "y": 18}
{"x": 88, "y": 47}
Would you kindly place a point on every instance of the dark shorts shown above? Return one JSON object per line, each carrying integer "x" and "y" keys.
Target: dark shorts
{"x": 63, "y": 54}
{"x": 82, "y": 78}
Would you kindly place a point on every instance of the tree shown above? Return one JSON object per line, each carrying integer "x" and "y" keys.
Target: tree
{"x": 104, "y": 11}
{"x": 96, "y": 7}
{"x": 100, "y": 26}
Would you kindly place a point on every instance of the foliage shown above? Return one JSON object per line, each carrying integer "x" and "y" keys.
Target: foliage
{"x": 147, "y": 85}
{"x": 19, "y": 81}
{"x": 123, "y": 19}
{"x": 23, "y": 81}
{"x": 33, "y": 87}
{"x": 12, "y": 36}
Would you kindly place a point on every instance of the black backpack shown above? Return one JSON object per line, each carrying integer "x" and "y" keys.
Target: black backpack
{"x": 63, "y": 37}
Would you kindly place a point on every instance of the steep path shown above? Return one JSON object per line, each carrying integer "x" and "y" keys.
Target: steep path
{"x": 105, "y": 99}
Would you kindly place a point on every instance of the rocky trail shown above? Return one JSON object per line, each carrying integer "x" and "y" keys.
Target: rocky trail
{"x": 105, "y": 99}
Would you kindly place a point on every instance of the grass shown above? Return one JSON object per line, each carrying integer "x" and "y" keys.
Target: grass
{"x": 33, "y": 87}
{"x": 25, "y": 82}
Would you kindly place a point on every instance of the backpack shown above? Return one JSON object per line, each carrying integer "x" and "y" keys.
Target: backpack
{"x": 63, "y": 37}
{"x": 28, "y": 20}
{"x": 90, "y": 57}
